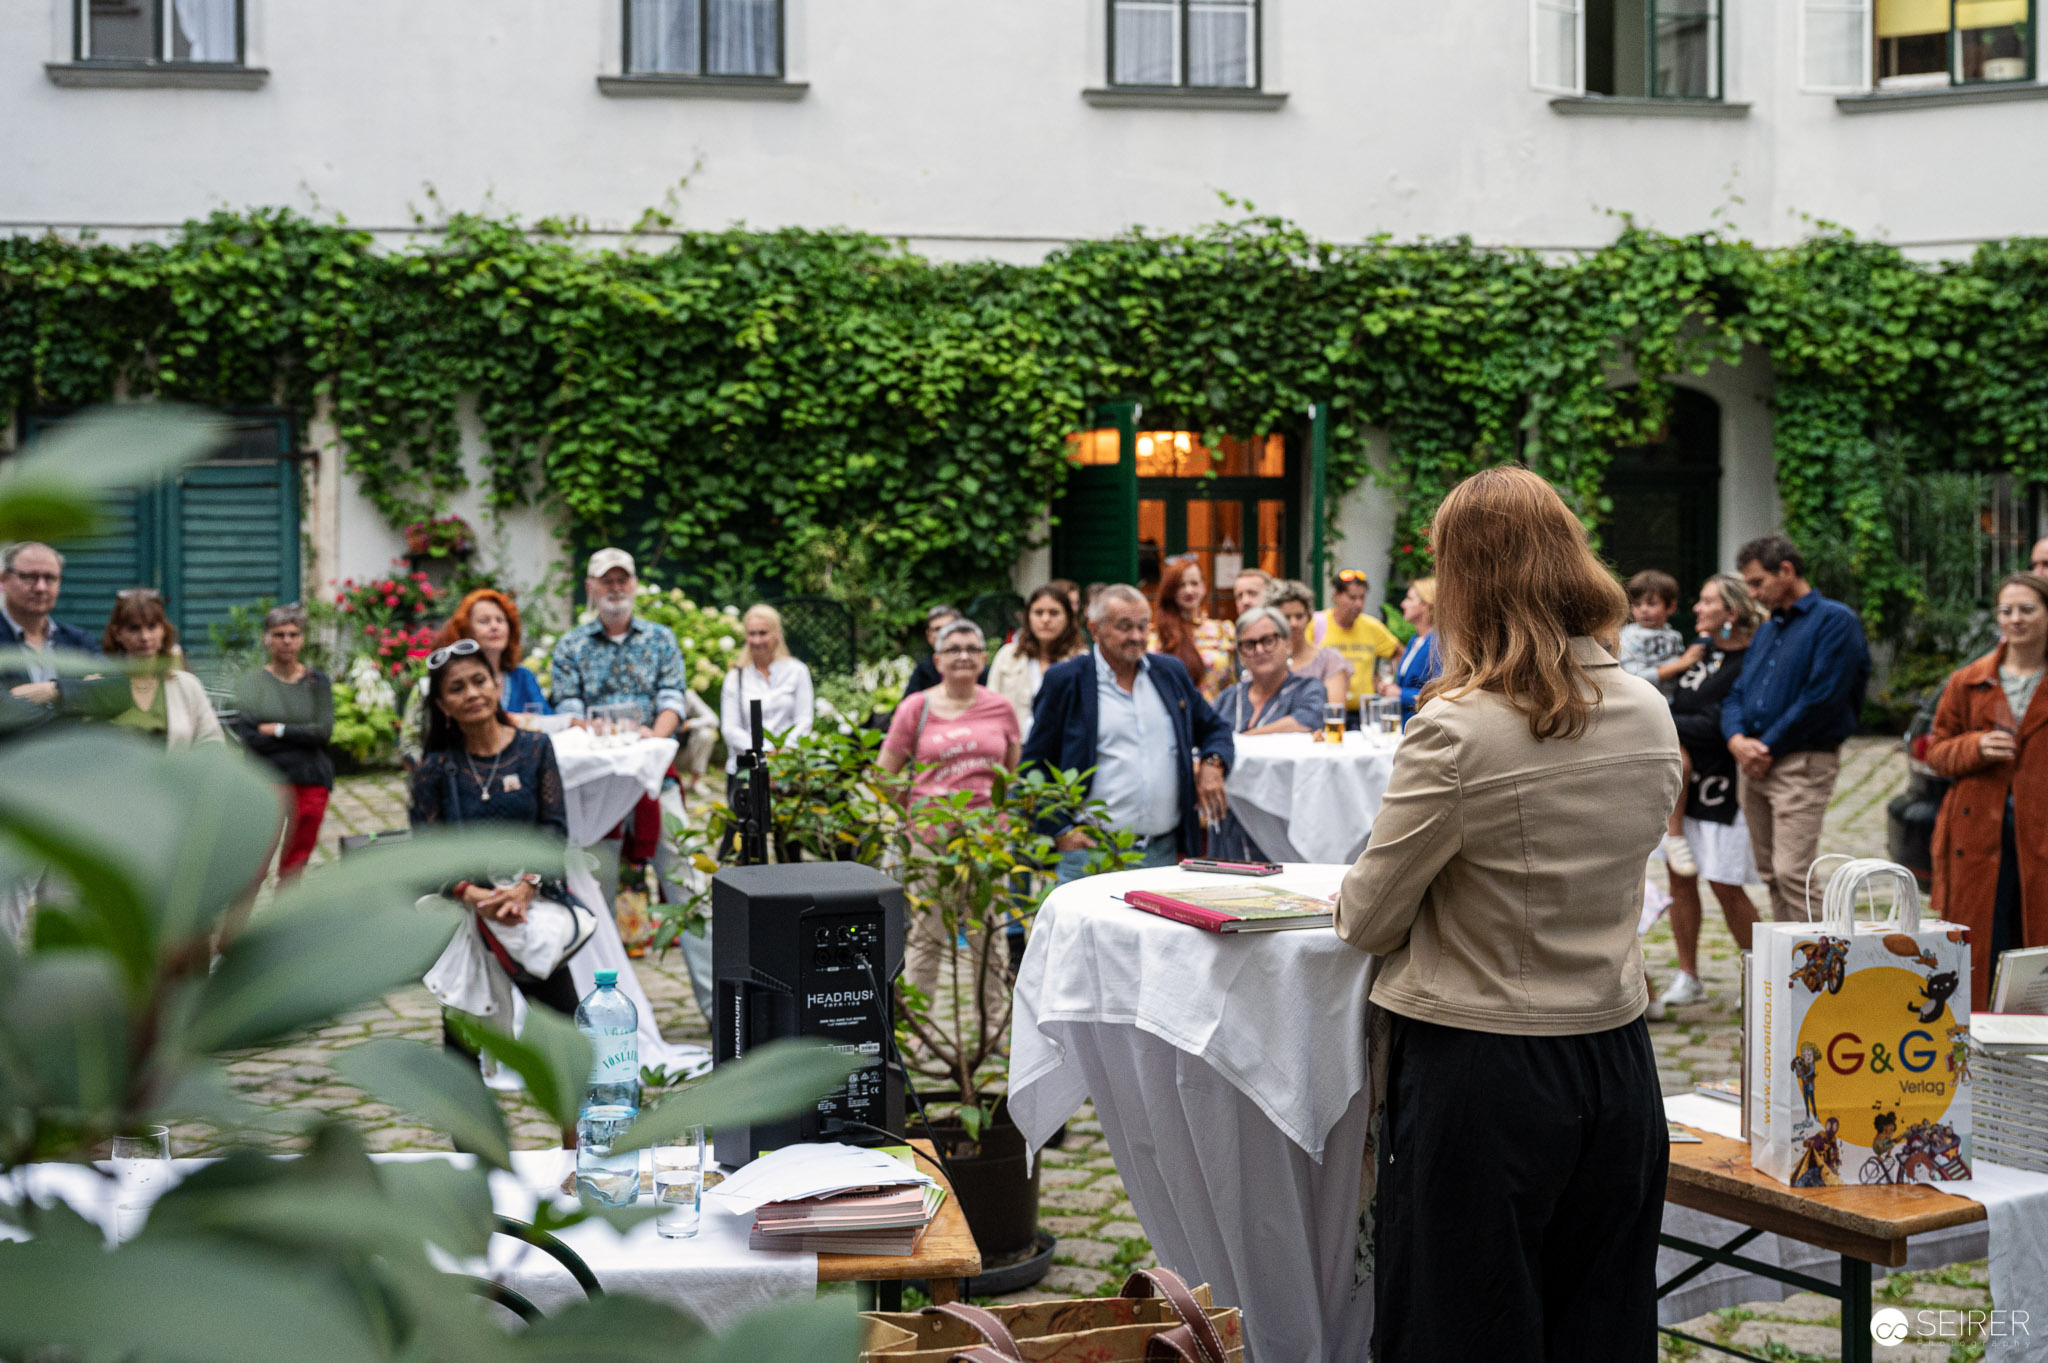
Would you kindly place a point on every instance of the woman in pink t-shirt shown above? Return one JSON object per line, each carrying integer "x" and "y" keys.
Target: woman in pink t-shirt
{"x": 953, "y": 735}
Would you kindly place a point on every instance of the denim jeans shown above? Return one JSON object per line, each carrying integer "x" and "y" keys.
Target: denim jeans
{"x": 1162, "y": 851}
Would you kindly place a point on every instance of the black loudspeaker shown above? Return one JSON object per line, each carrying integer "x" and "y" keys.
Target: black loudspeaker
{"x": 809, "y": 949}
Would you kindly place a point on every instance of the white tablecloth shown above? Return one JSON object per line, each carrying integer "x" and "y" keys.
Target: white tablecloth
{"x": 601, "y": 783}
{"x": 714, "y": 1276}
{"x": 1222, "y": 1067}
{"x": 1301, "y": 800}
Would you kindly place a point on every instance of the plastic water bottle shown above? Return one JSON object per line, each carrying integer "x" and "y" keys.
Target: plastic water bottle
{"x": 602, "y": 1176}
{"x": 611, "y": 1024}
{"x": 612, "y": 1099}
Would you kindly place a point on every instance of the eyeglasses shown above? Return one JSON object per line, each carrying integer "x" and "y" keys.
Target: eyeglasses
{"x": 1258, "y": 645}
{"x": 33, "y": 579}
{"x": 963, "y": 651}
{"x": 461, "y": 648}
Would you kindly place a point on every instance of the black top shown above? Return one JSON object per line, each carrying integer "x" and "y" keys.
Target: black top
{"x": 1696, "y": 710}
{"x": 525, "y": 789}
{"x": 305, "y": 708}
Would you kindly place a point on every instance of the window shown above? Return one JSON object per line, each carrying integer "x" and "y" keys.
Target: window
{"x": 153, "y": 32}
{"x": 1849, "y": 46}
{"x": 704, "y": 38}
{"x": 1922, "y": 43}
{"x": 1198, "y": 43}
{"x": 1636, "y": 49}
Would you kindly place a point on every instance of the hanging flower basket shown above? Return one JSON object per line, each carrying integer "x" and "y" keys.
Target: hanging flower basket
{"x": 443, "y": 537}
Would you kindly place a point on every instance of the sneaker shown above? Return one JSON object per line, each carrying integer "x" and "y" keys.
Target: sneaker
{"x": 1678, "y": 855}
{"x": 1683, "y": 989}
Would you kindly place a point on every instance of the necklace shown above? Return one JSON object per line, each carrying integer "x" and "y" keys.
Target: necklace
{"x": 483, "y": 783}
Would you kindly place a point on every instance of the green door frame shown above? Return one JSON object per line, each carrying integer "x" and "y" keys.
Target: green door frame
{"x": 1318, "y": 467}
{"x": 1095, "y": 518}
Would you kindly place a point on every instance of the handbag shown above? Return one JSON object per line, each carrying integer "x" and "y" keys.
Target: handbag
{"x": 1156, "y": 1318}
{"x": 1854, "y": 1041}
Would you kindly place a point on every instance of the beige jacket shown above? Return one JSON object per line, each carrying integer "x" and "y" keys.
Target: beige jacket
{"x": 1505, "y": 875}
{"x": 188, "y": 713}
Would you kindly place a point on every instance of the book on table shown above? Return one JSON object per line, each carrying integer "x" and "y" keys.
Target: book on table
{"x": 1235, "y": 908}
{"x": 2019, "y": 982}
{"x": 886, "y": 1214}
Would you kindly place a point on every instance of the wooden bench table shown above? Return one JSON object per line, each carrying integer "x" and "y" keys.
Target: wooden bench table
{"x": 945, "y": 1258}
{"x": 1864, "y": 1224}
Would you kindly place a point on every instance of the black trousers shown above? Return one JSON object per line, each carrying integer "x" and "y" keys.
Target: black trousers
{"x": 1521, "y": 1187}
{"x": 2008, "y": 929}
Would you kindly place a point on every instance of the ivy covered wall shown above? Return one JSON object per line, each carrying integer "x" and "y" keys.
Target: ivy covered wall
{"x": 786, "y": 404}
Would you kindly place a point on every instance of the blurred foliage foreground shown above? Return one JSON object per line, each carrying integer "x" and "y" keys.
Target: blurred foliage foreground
{"x": 113, "y": 1015}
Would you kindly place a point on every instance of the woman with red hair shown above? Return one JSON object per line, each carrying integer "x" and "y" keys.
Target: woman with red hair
{"x": 488, "y": 616}
{"x": 1181, "y": 626}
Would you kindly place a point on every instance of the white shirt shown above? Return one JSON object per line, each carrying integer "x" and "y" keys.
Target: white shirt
{"x": 786, "y": 703}
{"x": 1137, "y": 761}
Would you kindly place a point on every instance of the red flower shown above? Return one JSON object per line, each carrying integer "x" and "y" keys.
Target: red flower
{"x": 347, "y": 609}
{"x": 370, "y": 631}
{"x": 387, "y": 585}
{"x": 390, "y": 600}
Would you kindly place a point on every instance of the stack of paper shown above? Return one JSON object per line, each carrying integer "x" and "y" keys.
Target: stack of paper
{"x": 834, "y": 1199}
{"x": 2009, "y": 1074}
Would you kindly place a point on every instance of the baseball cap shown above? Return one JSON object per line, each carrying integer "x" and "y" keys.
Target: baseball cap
{"x": 604, "y": 560}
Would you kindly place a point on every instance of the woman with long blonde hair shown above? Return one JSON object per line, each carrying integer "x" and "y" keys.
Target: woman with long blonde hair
{"x": 1522, "y": 1143}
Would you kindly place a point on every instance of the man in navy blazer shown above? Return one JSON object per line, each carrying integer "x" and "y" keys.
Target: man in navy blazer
{"x": 1159, "y": 753}
{"x": 31, "y": 575}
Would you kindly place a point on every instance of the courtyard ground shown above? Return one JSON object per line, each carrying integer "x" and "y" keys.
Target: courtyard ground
{"x": 1083, "y": 1200}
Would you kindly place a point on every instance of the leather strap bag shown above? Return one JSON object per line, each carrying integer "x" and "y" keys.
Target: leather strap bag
{"x": 1173, "y": 1325}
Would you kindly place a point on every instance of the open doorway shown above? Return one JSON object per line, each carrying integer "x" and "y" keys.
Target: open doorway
{"x": 1667, "y": 501}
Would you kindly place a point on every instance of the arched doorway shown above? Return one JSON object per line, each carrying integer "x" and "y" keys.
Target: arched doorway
{"x": 1667, "y": 501}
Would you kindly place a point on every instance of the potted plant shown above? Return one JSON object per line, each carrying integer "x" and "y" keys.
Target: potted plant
{"x": 438, "y": 546}
{"x": 969, "y": 873}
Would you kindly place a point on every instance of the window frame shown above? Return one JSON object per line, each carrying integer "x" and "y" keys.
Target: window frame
{"x": 1575, "y": 8}
{"x": 779, "y": 76}
{"x": 81, "y": 32}
{"x": 1258, "y": 81}
{"x": 1718, "y": 9}
{"x": 1955, "y": 53}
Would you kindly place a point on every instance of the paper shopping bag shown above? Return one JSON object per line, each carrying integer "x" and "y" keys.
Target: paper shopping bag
{"x": 1116, "y": 1329}
{"x": 1855, "y": 1040}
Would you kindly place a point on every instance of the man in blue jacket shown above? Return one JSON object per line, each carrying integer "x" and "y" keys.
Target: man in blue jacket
{"x": 1158, "y": 751}
{"x": 31, "y": 575}
{"x": 1799, "y": 695}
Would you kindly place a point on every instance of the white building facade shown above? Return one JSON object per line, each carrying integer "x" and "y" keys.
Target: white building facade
{"x": 974, "y": 128}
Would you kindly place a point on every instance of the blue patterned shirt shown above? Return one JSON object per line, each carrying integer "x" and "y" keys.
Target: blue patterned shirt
{"x": 645, "y": 667}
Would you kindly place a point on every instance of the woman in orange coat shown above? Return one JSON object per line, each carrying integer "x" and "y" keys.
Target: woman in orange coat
{"x": 1991, "y": 739}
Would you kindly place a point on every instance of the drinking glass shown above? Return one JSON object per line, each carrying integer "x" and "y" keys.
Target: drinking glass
{"x": 142, "y": 1170}
{"x": 626, "y": 717}
{"x": 1390, "y": 717}
{"x": 679, "y": 1185}
{"x": 1333, "y": 723}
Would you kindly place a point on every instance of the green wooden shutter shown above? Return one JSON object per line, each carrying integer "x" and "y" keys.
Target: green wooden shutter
{"x": 1095, "y": 519}
{"x": 235, "y": 539}
{"x": 122, "y": 555}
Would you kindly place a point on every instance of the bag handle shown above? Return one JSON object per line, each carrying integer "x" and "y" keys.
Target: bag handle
{"x": 1172, "y": 1346}
{"x": 1207, "y": 1345}
{"x": 999, "y": 1344}
{"x": 1858, "y": 874}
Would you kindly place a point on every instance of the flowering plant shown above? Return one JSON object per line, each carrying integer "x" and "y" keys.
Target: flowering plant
{"x": 440, "y": 537}
{"x": 397, "y": 652}
{"x": 365, "y": 711}
{"x": 402, "y": 599}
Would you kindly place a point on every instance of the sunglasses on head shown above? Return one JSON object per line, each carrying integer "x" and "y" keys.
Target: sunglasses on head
{"x": 139, "y": 594}
{"x": 1350, "y": 575}
{"x": 461, "y": 648}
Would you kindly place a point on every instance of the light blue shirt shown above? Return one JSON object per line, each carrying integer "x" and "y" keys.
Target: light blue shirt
{"x": 1137, "y": 771}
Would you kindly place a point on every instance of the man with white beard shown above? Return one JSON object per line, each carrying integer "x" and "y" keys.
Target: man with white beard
{"x": 617, "y": 659}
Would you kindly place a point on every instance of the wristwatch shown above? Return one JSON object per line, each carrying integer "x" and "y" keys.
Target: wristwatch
{"x": 530, "y": 879}
{"x": 1217, "y": 758}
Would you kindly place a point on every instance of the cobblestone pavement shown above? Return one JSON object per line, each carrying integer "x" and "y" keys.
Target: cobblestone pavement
{"x": 1082, "y": 1199}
